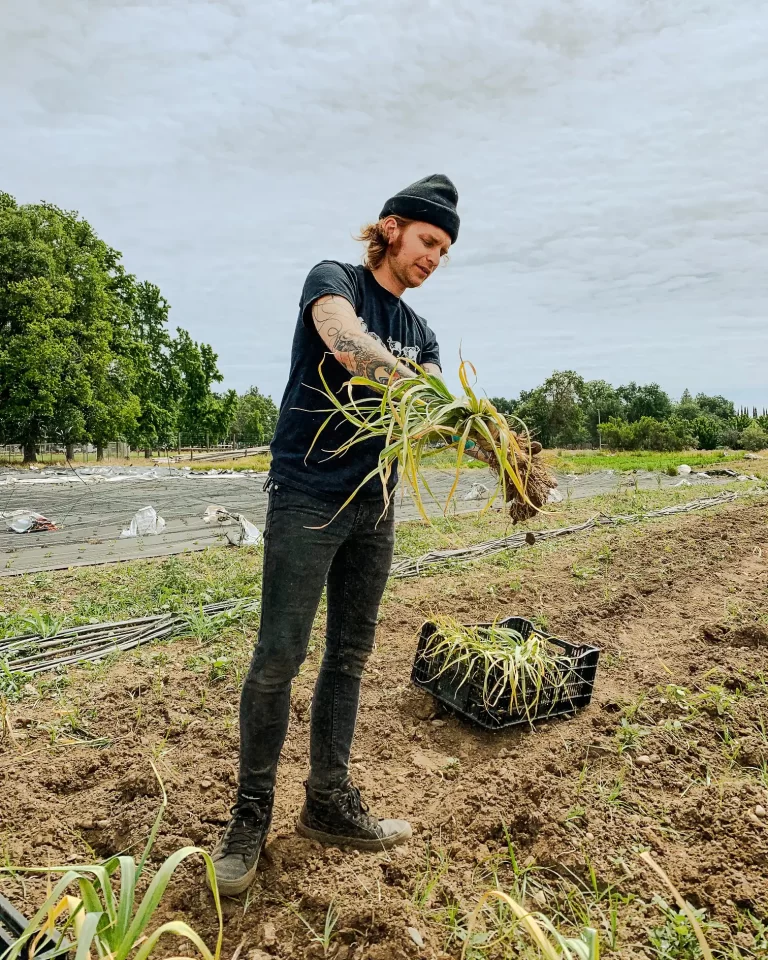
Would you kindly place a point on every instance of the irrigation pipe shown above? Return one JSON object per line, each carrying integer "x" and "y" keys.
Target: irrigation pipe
{"x": 32, "y": 653}
{"x": 413, "y": 566}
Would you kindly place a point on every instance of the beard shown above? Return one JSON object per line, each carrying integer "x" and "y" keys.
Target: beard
{"x": 400, "y": 269}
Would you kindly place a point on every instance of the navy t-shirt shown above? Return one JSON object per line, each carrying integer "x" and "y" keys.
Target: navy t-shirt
{"x": 385, "y": 317}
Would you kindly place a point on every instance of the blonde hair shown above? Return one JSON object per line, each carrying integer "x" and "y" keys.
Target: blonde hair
{"x": 376, "y": 241}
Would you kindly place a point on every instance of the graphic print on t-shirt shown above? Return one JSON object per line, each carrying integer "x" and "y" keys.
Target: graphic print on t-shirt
{"x": 398, "y": 350}
{"x": 394, "y": 346}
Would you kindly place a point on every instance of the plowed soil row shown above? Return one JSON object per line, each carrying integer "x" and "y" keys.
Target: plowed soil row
{"x": 672, "y": 756}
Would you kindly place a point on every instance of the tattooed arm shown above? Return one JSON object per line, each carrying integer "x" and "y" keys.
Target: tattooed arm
{"x": 363, "y": 356}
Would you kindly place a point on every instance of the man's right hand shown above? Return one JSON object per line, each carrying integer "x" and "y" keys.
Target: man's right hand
{"x": 489, "y": 457}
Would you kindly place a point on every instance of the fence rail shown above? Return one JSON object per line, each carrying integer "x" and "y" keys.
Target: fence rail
{"x": 193, "y": 448}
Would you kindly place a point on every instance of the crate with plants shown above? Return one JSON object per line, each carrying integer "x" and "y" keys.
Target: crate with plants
{"x": 501, "y": 674}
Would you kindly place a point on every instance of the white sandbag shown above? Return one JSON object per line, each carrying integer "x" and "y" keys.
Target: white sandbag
{"x": 478, "y": 491}
{"x": 145, "y": 523}
{"x": 26, "y": 521}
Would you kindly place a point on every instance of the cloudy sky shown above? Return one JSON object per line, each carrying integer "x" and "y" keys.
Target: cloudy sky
{"x": 610, "y": 155}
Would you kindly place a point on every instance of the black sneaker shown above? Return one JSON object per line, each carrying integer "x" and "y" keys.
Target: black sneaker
{"x": 237, "y": 854}
{"x": 341, "y": 818}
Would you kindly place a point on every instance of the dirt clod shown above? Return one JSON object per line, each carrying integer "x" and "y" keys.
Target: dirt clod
{"x": 268, "y": 934}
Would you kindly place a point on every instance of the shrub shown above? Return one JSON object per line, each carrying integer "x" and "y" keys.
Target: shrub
{"x": 753, "y": 437}
{"x": 708, "y": 431}
{"x": 647, "y": 433}
{"x": 617, "y": 434}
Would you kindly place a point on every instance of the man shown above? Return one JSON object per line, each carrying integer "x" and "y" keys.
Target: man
{"x": 356, "y": 314}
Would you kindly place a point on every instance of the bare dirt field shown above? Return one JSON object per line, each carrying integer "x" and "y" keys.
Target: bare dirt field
{"x": 671, "y": 757}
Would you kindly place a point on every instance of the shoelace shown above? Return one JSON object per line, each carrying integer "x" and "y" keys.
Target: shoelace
{"x": 244, "y": 830}
{"x": 352, "y": 803}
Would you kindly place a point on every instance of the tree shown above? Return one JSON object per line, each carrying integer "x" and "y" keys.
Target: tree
{"x": 533, "y": 410}
{"x": 687, "y": 408}
{"x": 644, "y": 401}
{"x": 115, "y": 408}
{"x": 507, "y": 407}
{"x": 617, "y": 434}
{"x": 255, "y": 418}
{"x": 648, "y": 434}
{"x": 159, "y": 380}
{"x": 553, "y": 412}
{"x": 708, "y": 430}
{"x": 61, "y": 302}
{"x": 203, "y": 414}
{"x": 601, "y": 403}
{"x": 84, "y": 349}
{"x": 716, "y": 406}
{"x": 671, "y": 434}
{"x": 741, "y": 421}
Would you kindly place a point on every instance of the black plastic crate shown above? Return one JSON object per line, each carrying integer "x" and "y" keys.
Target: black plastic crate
{"x": 579, "y": 663}
{"x": 13, "y": 924}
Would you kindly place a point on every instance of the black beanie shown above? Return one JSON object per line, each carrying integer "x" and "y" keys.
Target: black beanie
{"x": 432, "y": 200}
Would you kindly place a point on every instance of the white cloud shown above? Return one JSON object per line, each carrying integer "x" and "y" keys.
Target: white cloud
{"x": 610, "y": 157}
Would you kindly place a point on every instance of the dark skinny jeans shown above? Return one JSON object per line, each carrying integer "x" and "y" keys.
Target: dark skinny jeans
{"x": 353, "y": 555}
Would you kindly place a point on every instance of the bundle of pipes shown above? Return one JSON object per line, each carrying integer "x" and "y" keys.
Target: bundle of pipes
{"x": 32, "y": 653}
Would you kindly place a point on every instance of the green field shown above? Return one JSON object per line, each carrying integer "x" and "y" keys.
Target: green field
{"x": 259, "y": 462}
{"x": 585, "y": 461}
{"x": 655, "y": 748}
{"x": 135, "y": 588}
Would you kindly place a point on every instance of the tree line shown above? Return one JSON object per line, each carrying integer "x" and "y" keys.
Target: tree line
{"x": 86, "y": 352}
{"x": 87, "y": 355}
{"x": 569, "y": 411}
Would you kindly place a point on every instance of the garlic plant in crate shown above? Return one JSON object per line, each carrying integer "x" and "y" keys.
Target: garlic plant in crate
{"x": 514, "y": 669}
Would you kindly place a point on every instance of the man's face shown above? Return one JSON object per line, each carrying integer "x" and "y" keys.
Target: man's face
{"x": 415, "y": 250}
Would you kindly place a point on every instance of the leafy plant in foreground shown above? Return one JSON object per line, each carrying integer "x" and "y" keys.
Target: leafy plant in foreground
{"x": 324, "y": 939}
{"x": 551, "y": 943}
{"x": 682, "y": 931}
{"x": 675, "y": 938}
{"x": 107, "y": 919}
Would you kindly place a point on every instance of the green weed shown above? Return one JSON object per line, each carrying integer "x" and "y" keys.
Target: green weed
{"x": 674, "y": 939}
{"x": 429, "y": 878}
{"x": 12, "y": 684}
{"x": 585, "y": 461}
{"x": 324, "y": 938}
{"x": 628, "y": 736}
